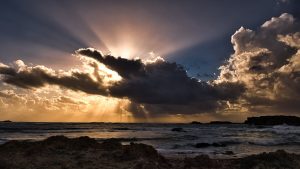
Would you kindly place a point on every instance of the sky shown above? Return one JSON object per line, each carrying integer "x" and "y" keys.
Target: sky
{"x": 148, "y": 61}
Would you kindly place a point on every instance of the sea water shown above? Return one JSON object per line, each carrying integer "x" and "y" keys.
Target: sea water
{"x": 221, "y": 141}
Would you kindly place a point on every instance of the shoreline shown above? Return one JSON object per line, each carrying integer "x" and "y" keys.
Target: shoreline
{"x": 84, "y": 152}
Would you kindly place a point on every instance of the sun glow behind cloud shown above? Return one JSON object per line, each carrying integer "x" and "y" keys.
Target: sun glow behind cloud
{"x": 125, "y": 51}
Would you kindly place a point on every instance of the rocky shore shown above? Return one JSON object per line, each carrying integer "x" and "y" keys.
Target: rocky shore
{"x": 60, "y": 152}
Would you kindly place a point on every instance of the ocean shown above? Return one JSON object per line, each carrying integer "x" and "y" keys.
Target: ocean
{"x": 217, "y": 141}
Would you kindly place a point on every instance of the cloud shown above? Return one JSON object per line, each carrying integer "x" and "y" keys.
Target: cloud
{"x": 161, "y": 87}
{"x": 267, "y": 62}
{"x": 125, "y": 67}
{"x": 69, "y": 100}
{"x": 262, "y": 75}
{"x": 38, "y": 76}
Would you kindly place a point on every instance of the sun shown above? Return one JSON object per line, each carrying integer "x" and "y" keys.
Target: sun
{"x": 125, "y": 51}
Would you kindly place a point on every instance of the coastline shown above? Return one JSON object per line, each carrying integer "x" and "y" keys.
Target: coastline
{"x": 87, "y": 153}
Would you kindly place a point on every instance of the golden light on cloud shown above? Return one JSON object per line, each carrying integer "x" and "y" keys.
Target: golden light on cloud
{"x": 98, "y": 71}
{"x": 52, "y": 103}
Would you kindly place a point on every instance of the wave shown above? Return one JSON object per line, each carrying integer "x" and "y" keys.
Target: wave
{"x": 206, "y": 145}
{"x": 273, "y": 143}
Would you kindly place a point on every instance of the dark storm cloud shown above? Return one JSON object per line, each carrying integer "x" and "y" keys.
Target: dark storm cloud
{"x": 124, "y": 67}
{"x": 39, "y": 76}
{"x": 163, "y": 87}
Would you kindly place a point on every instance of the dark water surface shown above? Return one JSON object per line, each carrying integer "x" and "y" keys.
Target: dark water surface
{"x": 226, "y": 141}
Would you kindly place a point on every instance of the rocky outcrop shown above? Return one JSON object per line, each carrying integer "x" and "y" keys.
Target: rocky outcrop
{"x": 196, "y": 122}
{"x": 220, "y": 122}
{"x": 275, "y": 160}
{"x": 204, "y": 162}
{"x": 273, "y": 120}
{"x": 6, "y": 121}
{"x": 59, "y": 152}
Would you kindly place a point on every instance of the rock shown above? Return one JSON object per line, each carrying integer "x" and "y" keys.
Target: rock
{"x": 195, "y": 122}
{"x": 145, "y": 153}
{"x": 86, "y": 153}
{"x": 78, "y": 153}
{"x": 198, "y": 161}
{"x": 4, "y": 164}
{"x": 274, "y": 160}
{"x": 204, "y": 162}
{"x": 220, "y": 122}
{"x": 137, "y": 151}
{"x": 6, "y": 121}
{"x": 145, "y": 165}
{"x": 111, "y": 144}
{"x": 178, "y": 129}
{"x": 273, "y": 120}
{"x": 228, "y": 153}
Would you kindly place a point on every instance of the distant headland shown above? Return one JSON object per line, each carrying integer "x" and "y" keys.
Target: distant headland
{"x": 274, "y": 120}
{"x": 6, "y": 121}
{"x": 261, "y": 120}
